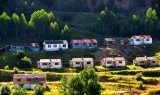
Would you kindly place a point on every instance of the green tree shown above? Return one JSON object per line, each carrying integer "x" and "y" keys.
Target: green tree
{"x": 108, "y": 23}
{"x": 20, "y": 54}
{"x": 85, "y": 83}
{"x": 23, "y": 24}
{"x": 54, "y": 30}
{"x": 25, "y": 62}
{"x": 39, "y": 23}
{"x": 5, "y": 90}
{"x": 64, "y": 85}
{"x": 20, "y": 91}
{"x": 66, "y": 32}
{"x": 4, "y": 24}
{"x": 15, "y": 23}
{"x": 150, "y": 21}
{"x": 76, "y": 86}
{"x": 39, "y": 90}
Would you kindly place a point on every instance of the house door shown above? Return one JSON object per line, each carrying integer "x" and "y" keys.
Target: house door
{"x": 114, "y": 63}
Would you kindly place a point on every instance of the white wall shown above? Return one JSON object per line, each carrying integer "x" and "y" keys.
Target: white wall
{"x": 108, "y": 65}
{"x": 88, "y": 65}
{"x": 52, "y": 48}
{"x": 148, "y": 42}
{"x": 56, "y": 66}
{"x": 120, "y": 64}
{"x": 76, "y": 65}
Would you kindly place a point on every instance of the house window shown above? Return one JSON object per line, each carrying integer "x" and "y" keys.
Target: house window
{"x": 55, "y": 45}
{"x": 44, "y": 63}
{"x": 64, "y": 45}
{"x": 153, "y": 62}
{"x": 120, "y": 62}
{"x": 18, "y": 80}
{"x": 77, "y": 63}
{"x": 76, "y": 44}
{"x": 147, "y": 39}
{"x": 56, "y": 63}
{"x": 94, "y": 43}
{"x": 49, "y": 46}
{"x": 142, "y": 61}
{"x": 137, "y": 39}
{"x": 28, "y": 79}
{"x": 109, "y": 62}
{"x": 88, "y": 62}
{"x": 13, "y": 47}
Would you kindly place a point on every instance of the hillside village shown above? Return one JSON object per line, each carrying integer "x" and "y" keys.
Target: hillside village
{"x": 85, "y": 47}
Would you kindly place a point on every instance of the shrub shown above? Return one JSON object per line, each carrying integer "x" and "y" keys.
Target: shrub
{"x": 5, "y": 90}
{"x": 16, "y": 70}
{"x": 139, "y": 76}
{"x": 39, "y": 90}
{"x": 25, "y": 62}
{"x": 6, "y": 67}
{"x": 20, "y": 54}
{"x": 140, "y": 85}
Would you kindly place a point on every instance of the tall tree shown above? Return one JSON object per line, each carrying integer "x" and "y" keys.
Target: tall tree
{"x": 150, "y": 21}
{"x": 15, "y": 23}
{"x": 4, "y": 24}
{"x": 23, "y": 24}
{"x": 40, "y": 21}
{"x": 66, "y": 33}
{"x": 54, "y": 30}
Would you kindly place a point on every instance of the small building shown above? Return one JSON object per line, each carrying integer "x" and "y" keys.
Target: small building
{"x": 146, "y": 61}
{"x": 81, "y": 62}
{"x": 113, "y": 61}
{"x": 84, "y": 44}
{"x": 141, "y": 39}
{"x": 29, "y": 81}
{"x": 24, "y": 46}
{"x": 49, "y": 64}
{"x": 55, "y": 45}
{"x": 116, "y": 41}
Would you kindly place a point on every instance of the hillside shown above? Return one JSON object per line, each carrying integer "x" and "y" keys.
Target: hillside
{"x": 139, "y": 6}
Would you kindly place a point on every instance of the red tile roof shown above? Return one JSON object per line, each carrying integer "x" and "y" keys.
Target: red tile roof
{"x": 109, "y": 59}
{"x": 85, "y": 41}
{"x": 142, "y": 37}
{"x": 119, "y": 58}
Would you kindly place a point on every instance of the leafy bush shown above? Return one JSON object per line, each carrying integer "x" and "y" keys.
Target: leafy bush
{"x": 5, "y": 90}
{"x": 139, "y": 76}
{"x": 20, "y": 54}
{"x": 140, "y": 85}
{"x": 25, "y": 62}
{"x": 39, "y": 90}
{"x": 16, "y": 70}
{"x": 6, "y": 67}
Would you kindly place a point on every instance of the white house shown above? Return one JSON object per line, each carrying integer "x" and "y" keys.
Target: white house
{"x": 81, "y": 62}
{"x": 142, "y": 39}
{"x": 55, "y": 45}
{"x": 49, "y": 63}
{"x": 113, "y": 61}
{"x": 29, "y": 81}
